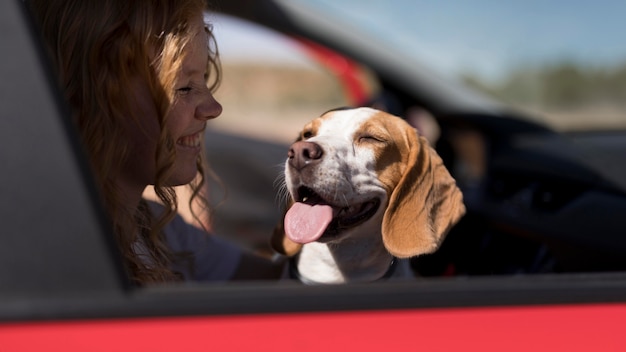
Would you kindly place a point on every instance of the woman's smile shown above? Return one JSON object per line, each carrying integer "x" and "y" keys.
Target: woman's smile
{"x": 192, "y": 141}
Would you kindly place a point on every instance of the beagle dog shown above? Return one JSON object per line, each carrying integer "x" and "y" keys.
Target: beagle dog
{"x": 366, "y": 193}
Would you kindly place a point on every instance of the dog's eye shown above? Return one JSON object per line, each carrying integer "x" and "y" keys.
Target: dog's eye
{"x": 307, "y": 134}
{"x": 368, "y": 138}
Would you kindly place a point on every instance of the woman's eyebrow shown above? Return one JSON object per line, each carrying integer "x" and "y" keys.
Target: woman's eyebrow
{"x": 190, "y": 72}
{"x": 193, "y": 71}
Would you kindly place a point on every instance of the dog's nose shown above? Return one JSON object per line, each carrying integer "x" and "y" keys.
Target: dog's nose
{"x": 304, "y": 153}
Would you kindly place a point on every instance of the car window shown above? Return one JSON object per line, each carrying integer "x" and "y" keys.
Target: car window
{"x": 562, "y": 64}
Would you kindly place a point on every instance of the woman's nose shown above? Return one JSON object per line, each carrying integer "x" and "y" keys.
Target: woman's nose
{"x": 209, "y": 108}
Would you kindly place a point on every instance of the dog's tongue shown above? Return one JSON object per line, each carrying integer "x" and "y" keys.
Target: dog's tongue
{"x": 306, "y": 223}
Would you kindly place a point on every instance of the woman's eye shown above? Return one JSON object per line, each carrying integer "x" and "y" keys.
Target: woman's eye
{"x": 183, "y": 90}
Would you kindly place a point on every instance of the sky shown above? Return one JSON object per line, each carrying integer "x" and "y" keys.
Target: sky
{"x": 454, "y": 36}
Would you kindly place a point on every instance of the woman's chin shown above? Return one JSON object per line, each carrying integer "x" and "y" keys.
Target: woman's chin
{"x": 182, "y": 175}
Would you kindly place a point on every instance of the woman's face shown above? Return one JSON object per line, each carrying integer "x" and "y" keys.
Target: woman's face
{"x": 193, "y": 105}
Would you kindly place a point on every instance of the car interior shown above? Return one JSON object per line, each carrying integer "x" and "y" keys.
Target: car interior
{"x": 544, "y": 223}
{"x": 539, "y": 200}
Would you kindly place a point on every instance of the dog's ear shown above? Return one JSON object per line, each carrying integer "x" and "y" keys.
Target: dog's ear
{"x": 424, "y": 205}
{"x": 279, "y": 242}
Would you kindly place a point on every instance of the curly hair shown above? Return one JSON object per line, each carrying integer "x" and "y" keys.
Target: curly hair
{"x": 97, "y": 47}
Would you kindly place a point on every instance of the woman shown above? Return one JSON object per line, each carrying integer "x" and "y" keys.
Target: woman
{"x": 139, "y": 76}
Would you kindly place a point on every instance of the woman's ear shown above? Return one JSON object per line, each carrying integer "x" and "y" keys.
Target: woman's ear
{"x": 424, "y": 205}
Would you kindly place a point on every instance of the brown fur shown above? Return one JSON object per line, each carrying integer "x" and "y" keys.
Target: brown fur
{"x": 424, "y": 200}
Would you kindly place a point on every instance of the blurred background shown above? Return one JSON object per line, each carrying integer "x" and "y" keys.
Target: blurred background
{"x": 563, "y": 64}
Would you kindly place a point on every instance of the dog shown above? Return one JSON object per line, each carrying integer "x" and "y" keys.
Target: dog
{"x": 366, "y": 192}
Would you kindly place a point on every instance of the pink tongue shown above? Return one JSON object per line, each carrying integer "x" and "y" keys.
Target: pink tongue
{"x": 306, "y": 223}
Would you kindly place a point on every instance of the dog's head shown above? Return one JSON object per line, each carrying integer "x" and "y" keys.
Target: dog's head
{"x": 360, "y": 170}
